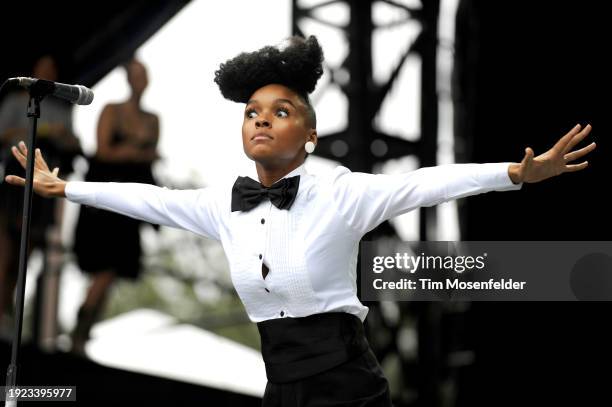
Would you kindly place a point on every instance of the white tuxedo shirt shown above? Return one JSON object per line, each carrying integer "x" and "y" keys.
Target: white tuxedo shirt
{"x": 309, "y": 249}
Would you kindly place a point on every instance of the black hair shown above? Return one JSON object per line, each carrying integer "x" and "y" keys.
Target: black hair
{"x": 297, "y": 63}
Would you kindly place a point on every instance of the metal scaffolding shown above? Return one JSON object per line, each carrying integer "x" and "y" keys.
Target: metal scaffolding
{"x": 364, "y": 148}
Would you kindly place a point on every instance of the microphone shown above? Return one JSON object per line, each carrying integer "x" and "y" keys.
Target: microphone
{"x": 78, "y": 94}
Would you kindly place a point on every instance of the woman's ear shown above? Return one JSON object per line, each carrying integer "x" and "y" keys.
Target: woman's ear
{"x": 313, "y": 136}
{"x": 311, "y": 142}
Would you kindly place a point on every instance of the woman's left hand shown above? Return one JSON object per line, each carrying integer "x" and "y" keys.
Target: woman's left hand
{"x": 554, "y": 161}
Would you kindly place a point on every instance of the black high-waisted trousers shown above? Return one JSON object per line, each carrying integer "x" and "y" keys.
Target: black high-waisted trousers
{"x": 321, "y": 360}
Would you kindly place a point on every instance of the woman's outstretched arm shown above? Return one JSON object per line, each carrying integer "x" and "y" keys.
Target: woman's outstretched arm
{"x": 195, "y": 210}
{"x": 365, "y": 200}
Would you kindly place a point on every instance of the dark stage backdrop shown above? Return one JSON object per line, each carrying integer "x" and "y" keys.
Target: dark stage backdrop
{"x": 526, "y": 73}
{"x": 88, "y": 39}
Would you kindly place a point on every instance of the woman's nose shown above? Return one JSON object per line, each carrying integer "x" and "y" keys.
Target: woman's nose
{"x": 262, "y": 123}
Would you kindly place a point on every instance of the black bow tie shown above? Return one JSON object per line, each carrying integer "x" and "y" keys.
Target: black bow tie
{"x": 248, "y": 193}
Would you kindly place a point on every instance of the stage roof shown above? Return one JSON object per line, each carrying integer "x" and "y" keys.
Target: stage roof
{"x": 88, "y": 39}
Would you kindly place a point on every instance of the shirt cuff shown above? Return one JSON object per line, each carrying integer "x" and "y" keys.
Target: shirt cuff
{"x": 81, "y": 192}
{"x": 496, "y": 176}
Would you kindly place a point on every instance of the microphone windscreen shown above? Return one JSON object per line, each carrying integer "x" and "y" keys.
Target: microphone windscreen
{"x": 86, "y": 95}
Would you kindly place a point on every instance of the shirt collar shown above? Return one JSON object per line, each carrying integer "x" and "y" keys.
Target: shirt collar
{"x": 301, "y": 170}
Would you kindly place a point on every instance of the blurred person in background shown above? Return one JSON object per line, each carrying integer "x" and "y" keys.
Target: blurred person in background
{"x": 107, "y": 245}
{"x": 55, "y": 135}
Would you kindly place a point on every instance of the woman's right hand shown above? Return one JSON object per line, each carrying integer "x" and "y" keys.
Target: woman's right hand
{"x": 46, "y": 182}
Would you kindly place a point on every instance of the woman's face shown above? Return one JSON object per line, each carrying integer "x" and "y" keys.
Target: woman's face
{"x": 137, "y": 77}
{"x": 275, "y": 126}
{"x": 45, "y": 68}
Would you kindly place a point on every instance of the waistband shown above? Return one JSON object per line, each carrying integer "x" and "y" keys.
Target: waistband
{"x": 295, "y": 348}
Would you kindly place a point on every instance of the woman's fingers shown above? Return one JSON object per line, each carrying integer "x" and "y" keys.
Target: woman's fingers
{"x": 579, "y": 153}
{"x": 528, "y": 159}
{"x": 15, "y": 180}
{"x": 525, "y": 163}
{"x": 39, "y": 187}
{"x": 21, "y": 153}
{"x": 577, "y": 167}
{"x": 577, "y": 138}
{"x": 40, "y": 162}
{"x": 23, "y": 148}
{"x": 563, "y": 141}
{"x": 19, "y": 156}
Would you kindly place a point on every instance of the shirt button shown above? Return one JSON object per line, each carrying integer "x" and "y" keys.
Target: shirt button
{"x": 263, "y": 221}
{"x": 266, "y": 289}
{"x": 282, "y": 313}
{"x": 260, "y": 256}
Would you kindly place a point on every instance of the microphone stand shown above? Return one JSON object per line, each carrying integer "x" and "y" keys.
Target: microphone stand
{"x": 33, "y": 113}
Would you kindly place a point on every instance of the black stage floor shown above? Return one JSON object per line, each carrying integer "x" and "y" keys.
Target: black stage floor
{"x": 100, "y": 385}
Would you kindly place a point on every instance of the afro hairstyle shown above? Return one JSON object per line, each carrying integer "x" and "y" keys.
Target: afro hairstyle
{"x": 296, "y": 63}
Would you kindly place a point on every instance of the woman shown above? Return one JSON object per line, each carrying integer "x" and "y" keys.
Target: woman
{"x": 107, "y": 245}
{"x": 55, "y": 135}
{"x": 292, "y": 238}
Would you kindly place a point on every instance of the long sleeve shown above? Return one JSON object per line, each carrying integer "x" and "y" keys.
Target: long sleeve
{"x": 194, "y": 210}
{"x": 366, "y": 200}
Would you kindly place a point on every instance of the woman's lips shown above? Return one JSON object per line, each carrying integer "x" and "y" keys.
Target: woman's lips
{"x": 261, "y": 137}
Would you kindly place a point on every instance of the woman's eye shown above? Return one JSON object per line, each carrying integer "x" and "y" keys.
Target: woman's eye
{"x": 280, "y": 112}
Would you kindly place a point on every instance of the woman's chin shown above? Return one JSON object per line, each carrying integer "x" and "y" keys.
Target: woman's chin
{"x": 261, "y": 152}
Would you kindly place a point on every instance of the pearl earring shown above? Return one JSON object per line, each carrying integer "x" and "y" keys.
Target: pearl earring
{"x": 309, "y": 147}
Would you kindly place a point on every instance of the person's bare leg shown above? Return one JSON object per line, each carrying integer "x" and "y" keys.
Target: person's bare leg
{"x": 99, "y": 288}
{"x": 6, "y": 250}
{"x": 59, "y": 213}
{"x": 5, "y": 253}
{"x": 90, "y": 309}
